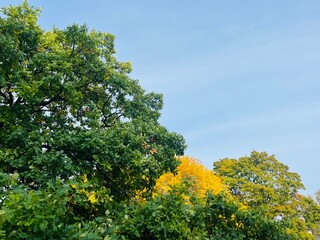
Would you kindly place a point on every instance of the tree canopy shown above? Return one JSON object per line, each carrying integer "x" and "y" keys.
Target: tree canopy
{"x": 261, "y": 181}
{"x": 200, "y": 178}
{"x": 69, "y": 108}
{"x": 83, "y": 155}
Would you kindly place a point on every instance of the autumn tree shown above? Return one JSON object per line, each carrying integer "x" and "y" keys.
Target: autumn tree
{"x": 200, "y": 178}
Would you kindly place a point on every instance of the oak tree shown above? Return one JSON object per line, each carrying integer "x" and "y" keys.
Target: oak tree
{"x": 69, "y": 110}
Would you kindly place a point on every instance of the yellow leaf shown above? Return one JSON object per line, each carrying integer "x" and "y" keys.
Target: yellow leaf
{"x": 191, "y": 168}
{"x": 92, "y": 197}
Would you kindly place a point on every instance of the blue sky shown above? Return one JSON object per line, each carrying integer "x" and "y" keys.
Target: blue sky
{"x": 236, "y": 75}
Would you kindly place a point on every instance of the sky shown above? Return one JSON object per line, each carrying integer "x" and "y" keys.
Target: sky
{"x": 236, "y": 76}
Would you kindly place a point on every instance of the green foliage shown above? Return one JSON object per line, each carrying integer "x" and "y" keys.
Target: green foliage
{"x": 58, "y": 212}
{"x": 264, "y": 183}
{"x": 28, "y": 214}
{"x": 70, "y": 115}
{"x": 227, "y": 219}
{"x": 79, "y": 139}
{"x": 259, "y": 179}
{"x": 179, "y": 215}
{"x": 166, "y": 216}
{"x": 308, "y": 212}
{"x": 68, "y": 108}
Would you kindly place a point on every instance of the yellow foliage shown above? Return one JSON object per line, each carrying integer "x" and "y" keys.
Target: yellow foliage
{"x": 80, "y": 188}
{"x": 202, "y": 179}
{"x": 84, "y": 178}
{"x": 139, "y": 195}
{"x": 92, "y": 197}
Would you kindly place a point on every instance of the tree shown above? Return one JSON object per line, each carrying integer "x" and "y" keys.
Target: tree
{"x": 262, "y": 182}
{"x": 69, "y": 108}
{"x": 226, "y": 218}
{"x": 183, "y": 214}
{"x": 201, "y": 179}
{"x": 69, "y": 111}
{"x": 79, "y": 138}
{"x": 259, "y": 179}
{"x": 308, "y": 211}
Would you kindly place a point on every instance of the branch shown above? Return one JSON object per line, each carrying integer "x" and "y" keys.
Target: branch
{"x": 46, "y": 147}
{"x": 3, "y": 95}
{"x": 44, "y": 103}
{"x": 84, "y": 85}
{"x": 10, "y": 97}
{"x": 73, "y": 48}
{"x": 18, "y": 101}
{"x": 110, "y": 115}
{"x": 105, "y": 103}
{"x": 105, "y": 120}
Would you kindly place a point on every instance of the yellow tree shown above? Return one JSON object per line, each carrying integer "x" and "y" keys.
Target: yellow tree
{"x": 201, "y": 179}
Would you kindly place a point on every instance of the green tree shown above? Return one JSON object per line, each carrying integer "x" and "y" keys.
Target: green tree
{"x": 70, "y": 115}
{"x": 228, "y": 219}
{"x": 262, "y": 182}
{"x": 309, "y": 211}
{"x": 181, "y": 214}
{"x": 259, "y": 179}
{"x": 68, "y": 108}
